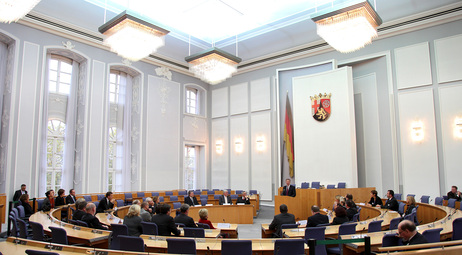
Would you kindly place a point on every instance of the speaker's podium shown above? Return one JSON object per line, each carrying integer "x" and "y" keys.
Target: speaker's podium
{"x": 300, "y": 205}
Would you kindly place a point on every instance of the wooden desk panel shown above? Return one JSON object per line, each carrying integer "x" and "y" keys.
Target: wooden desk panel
{"x": 237, "y": 214}
{"x": 300, "y": 205}
{"x": 327, "y": 196}
{"x": 3, "y": 206}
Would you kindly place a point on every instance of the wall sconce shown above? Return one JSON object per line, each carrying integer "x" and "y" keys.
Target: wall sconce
{"x": 417, "y": 133}
{"x": 458, "y": 128}
{"x": 260, "y": 143}
{"x": 219, "y": 146}
{"x": 238, "y": 145}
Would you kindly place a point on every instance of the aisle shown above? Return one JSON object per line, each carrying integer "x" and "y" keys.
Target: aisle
{"x": 253, "y": 231}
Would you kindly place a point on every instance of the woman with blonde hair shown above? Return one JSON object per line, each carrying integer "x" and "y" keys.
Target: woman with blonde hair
{"x": 133, "y": 221}
{"x": 204, "y": 215}
{"x": 410, "y": 205}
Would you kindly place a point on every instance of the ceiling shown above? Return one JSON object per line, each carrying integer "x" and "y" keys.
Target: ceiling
{"x": 195, "y": 25}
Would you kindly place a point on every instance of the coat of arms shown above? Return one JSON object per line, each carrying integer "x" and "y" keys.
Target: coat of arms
{"x": 320, "y": 106}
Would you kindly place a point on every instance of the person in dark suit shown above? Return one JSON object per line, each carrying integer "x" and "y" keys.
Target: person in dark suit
{"x": 70, "y": 199}
{"x": 144, "y": 213}
{"x": 375, "y": 201}
{"x": 340, "y": 216}
{"x": 243, "y": 199}
{"x": 351, "y": 209}
{"x": 106, "y": 203}
{"x": 80, "y": 205}
{"x": 391, "y": 203}
{"x": 407, "y": 231}
{"x": 349, "y": 197}
{"x": 19, "y": 192}
{"x": 288, "y": 190}
{"x": 165, "y": 223}
{"x": 225, "y": 198}
{"x": 184, "y": 218}
{"x": 191, "y": 200}
{"x": 24, "y": 201}
{"x": 451, "y": 194}
{"x": 90, "y": 219}
{"x": 316, "y": 218}
{"x": 60, "y": 199}
{"x": 283, "y": 218}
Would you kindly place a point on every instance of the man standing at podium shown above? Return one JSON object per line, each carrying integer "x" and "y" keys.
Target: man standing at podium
{"x": 288, "y": 190}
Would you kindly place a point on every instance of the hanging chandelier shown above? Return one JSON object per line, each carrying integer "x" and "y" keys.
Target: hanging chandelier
{"x": 348, "y": 27}
{"x": 132, "y": 37}
{"x": 13, "y": 10}
{"x": 213, "y": 65}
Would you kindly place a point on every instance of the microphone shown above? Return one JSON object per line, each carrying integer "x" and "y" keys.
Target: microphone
{"x": 208, "y": 249}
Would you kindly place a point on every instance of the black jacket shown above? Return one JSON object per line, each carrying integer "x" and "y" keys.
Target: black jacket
{"x": 377, "y": 201}
{"x": 391, "y": 204}
{"x": 416, "y": 239}
{"x": 317, "y": 219}
{"x": 339, "y": 220}
{"x": 104, "y": 205}
{"x": 186, "y": 220}
{"x": 292, "y": 192}
{"x": 244, "y": 201}
{"x": 69, "y": 199}
{"x": 221, "y": 200}
{"x": 59, "y": 201}
{"x": 92, "y": 221}
{"x": 278, "y": 220}
{"x": 351, "y": 212}
{"x": 165, "y": 225}
{"x": 78, "y": 214}
{"x": 191, "y": 202}
{"x": 134, "y": 225}
{"x": 17, "y": 195}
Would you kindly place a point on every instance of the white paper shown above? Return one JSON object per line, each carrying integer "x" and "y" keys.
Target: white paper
{"x": 224, "y": 225}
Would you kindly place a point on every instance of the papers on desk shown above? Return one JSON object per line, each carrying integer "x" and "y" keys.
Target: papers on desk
{"x": 209, "y": 205}
{"x": 325, "y": 210}
{"x": 227, "y": 204}
{"x": 363, "y": 204}
{"x": 224, "y": 225}
{"x": 240, "y": 204}
{"x": 358, "y": 236}
{"x": 297, "y": 230}
{"x": 302, "y": 222}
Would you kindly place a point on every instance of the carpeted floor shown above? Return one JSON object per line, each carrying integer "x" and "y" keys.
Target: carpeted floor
{"x": 253, "y": 231}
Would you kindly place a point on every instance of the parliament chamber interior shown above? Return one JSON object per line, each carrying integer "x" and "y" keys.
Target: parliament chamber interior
{"x": 230, "y": 127}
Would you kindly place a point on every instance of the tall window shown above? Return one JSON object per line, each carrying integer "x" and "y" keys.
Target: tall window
{"x": 190, "y": 166}
{"x": 55, "y": 149}
{"x": 114, "y": 87}
{"x": 59, "y": 75}
{"x": 112, "y": 158}
{"x": 192, "y": 101}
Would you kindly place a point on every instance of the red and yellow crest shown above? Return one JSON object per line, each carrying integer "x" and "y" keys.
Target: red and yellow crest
{"x": 320, "y": 106}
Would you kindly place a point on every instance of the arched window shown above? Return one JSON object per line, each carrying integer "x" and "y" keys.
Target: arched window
{"x": 195, "y": 100}
{"x": 55, "y": 151}
{"x": 59, "y": 75}
{"x": 192, "y": 101}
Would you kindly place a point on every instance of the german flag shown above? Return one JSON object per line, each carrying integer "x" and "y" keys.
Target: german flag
{"x": 289, "y": 137}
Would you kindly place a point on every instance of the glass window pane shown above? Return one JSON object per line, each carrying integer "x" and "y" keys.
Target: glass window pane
{"x": 65, "y": 67}
{"x": 53, "y": 75}
{"x": 112, "y": 78}
{"x": 52, "y": 86}
{"x": 59, "y": 160}
{"x": 58, "y": 178}
{"x": 49, "y": 177}
{"x": 65, "y": 78}
{"x": 64, "y": 88}
{"x": 112, "y": 98}
{"x": 112, "y": 88}
{"x": 54, "y": 64}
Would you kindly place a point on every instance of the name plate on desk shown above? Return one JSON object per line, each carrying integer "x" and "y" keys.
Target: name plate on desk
{"x": 227, "y": 204}
{"x": 209, "y": 205}
{"x": 17, "y": 241}
{"x": 94, "y": 231}
{"x": 240, "y": 204}
{"x": 53, "y": 247}
{"x": 157, "y": 238}
{"x": 76, "y": 228}
{"x": 101, "y": 253}
{"x": 224, "y": 225}
{"x": 200, "y": 240}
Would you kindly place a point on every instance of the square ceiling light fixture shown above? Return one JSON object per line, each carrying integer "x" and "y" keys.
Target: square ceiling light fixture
{"x": 348, "y": 27}
{"x": 13, "y": 10}
{"x": 131, "y": 36}
{"x": 213, "y": 65}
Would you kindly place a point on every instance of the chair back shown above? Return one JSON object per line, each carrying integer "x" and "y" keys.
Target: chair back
{"x": 205, "y": 189}
{"x": 59, "y": 235}
{"x": 169, "y": 193}
{"x": 398, "y": 196}
{"x": 182, "y": 193}
{"x": 22, "y": 212}
{"x": 391, "y": 240}
{"x": 139, "y": 194}
{"x": 253, "y": 192}
{"x": 155, "y": 194}
{"x": 215, "y": 189}
{"x": 39, "y": 204}
{"x": 445, "y": 197}
{"x": 161, "y": 199}
{"x": 394, "y": 223}
{"x": 131, "y": 243}
{"x": 37, "y": 231}
{"x": 315, "y": 185}
{"x": 176, "y": 205}
{"x": 356, "y": 216}
{"x": 180, "y": 225}
{"x": 330, "y": 186}
{"x": 424, "y": 199}
{"x": 120, "y": 202}
{"x": 347, "y": 229}
{"x": 87, "y": 198}
{"x": 210, "y": 192}
{"x": 457, "y": 229}
{"x": 232, "y": 247}
{"x": 341, "y": 185}
{"x": 286, "y": 226}
{"x": 33, "y": 252}
{"x": 100, "y": 196}
{"x": 375, "y": 226}
{"x": 438, "y": 201}
{"x": 410, "y": 195}
{"x": 204, "y": 199}
{"x": 317, "y": 233}
{"x": 22, "y": 228}
{"x": 203, "y": 225}
{"x": 239, "y": 192}
{"x": 81, "y": 223}
{"x": 216, "y": 196}
{"x": 432, "y": 235}
{"x": 452, "y": 203}
{"x": 305, "y": 185}
{"x": 149, "y": 228}
{"x": 194, "y": 232}
{"x": 401, "y": 208}
{"x": 14, "y": 227}
{"x": 181, "y": 246}
{"x": 117, "y": 230}
{"x": 16, "y": 212}
{"x": 234, "y": 196}
{"x": 74, "y": 222}
{"x": 290, "y": 247}
{"x": 173, "y": 198}
{"x": 96, "y": 203}
{"x": 197, "y": 192}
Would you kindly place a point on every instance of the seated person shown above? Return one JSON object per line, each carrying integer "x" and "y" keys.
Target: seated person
{"x": 316, "y": 218}
{"x": 340, "y": 216}
{"x": 225, "y": 198}
{"x": 133, "y": 221}
{"x": 375, "y": 201}
{"x": 136, "y": 202}
{"x": 71, "y": 199}
{"x": 19, "y": 192}
{"x": 283, "y": 218}
{"x": 191, "y": 200}
{"x": 454, "y": 193}
{"x": 49, "y": 201}
{"x": 184, "y": 218}
{"x": 410, "y": 201}
{"x": 152, "y": 204}
{"x": 288, "y": 190}
{"x": 165, "y": 223}
{"x": 144, "y": 214}
{"x": 90, "y": 219}
{"x": 407, "y": 231}
{"x": 106, "y": 203}
{"x": 243, "y": 199}
{"x": 24, "y": 201}
{"x": 204, "y": 215}
{"x": 349, "y": 197}
{"x": 339, "y": 201}
{"x": 60, "y": 200}
{"x": 351, "y": 209}
{"x": 391, "y": 203}
{"x": 79, "y": 212}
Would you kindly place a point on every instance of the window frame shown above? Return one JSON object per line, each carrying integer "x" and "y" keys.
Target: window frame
{"x": 54, "y": 170}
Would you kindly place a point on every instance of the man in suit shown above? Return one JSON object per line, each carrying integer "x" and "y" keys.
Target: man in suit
{"x": 70, "y": 199}
{"x": 451, "y": 194}
{"x": 19, "y": 192}
{"x": 106, "y": 203}
{"x": 165, "y": 223}
{"x": 184, "y": 218}
{"x": 316, "y": 218}
{"x": 407, "y": 231}
{"x": 225, "y": 198}
{"x": 288, "y": 190}
{"x": 80, "y": 205}
{"x": 191, "y": 200}
{"x": 391, "y": 203}
{"x": 90, "y": 218}
{"x": 144, "y": 214}
{"x": 283, "y": 218}
{"x": 351, "y": 209}
{"x": 243, "y": 199}
{"x": 151, "y": 205}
